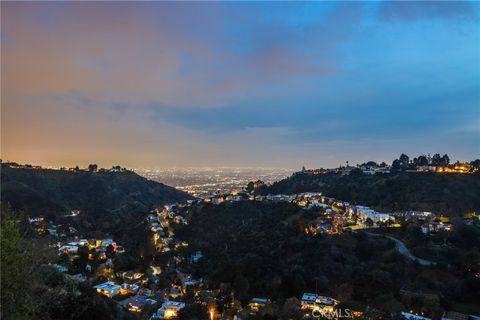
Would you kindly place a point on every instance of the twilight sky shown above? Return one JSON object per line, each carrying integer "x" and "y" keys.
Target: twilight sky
{"x": 273, "y": 84}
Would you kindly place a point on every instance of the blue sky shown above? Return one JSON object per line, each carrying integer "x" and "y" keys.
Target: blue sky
{"x": 273, "y": 84}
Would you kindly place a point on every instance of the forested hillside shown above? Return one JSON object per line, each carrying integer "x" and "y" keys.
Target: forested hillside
{"x": 450, "y": 194}
{"x": 57, "y": 192}
{"x": 261, "y": 250}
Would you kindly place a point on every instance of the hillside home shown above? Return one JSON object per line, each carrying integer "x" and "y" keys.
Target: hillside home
{"x": 108, "y": 289}
{"x": 411, "y": 316}
{"x": 314, "y": 301}
{"x": 168, "y": 310}
{"x": 257, "y": 303}
{"x": 138, "y": 303}
{"x": 69, "y": 249}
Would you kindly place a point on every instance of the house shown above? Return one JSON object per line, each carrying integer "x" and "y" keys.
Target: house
{"x": 257, "y": 303}
{"x": 78, "y": 243}
{"x": 317, "y": 204}
{"x": 175, "y": 292}
{"x": 60, "y": 268}
{"x": 187, "y": 280}
{"x": 308, "y": 300}
{"x": 138, "y": 303}
{"x": 314, "y": 301}
{"x": 108, "y": 289}
{"x": 365, "y": 213}
{"x": 411, "y": 316}
{"x": 168, "y": 310}
{"x": 35, "y": 219}
{"x": 127, "y": 288}
{"x": 69, "y": 249}
{"x": 127, "y": 275}
{"x": 198, "y": 255}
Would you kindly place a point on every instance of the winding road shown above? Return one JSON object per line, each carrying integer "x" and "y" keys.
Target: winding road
{"x": 402, "y": 248}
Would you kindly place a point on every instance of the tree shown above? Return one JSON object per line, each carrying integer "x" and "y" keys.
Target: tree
{"x": 250, "y": 187}
{"x": 193, "y": 311}
{"x": 445, "y": 160}
{"x": 14, "y": 296}
{"x": 369, "y": 222}
{"x": 241, "y": 287}
{"x": 291, "y": 309}
{"x": 422, "y": 161}
{"x": 356, "y": 173}
{"x": 404, "y": 160}
{"x": 92, "y": 168}
{"x": 396, "y": 166}
{"x": 110, "y": 252}
{"x": 475, "y": 163}
{"x": 436, "y": 159}
{"x": 22, "y": 254}
{"x": 81, "y": 261}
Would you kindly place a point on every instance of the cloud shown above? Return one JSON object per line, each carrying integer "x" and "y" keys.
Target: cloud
{"x": 133, "y": 54}
{"x": 163, "y": 83}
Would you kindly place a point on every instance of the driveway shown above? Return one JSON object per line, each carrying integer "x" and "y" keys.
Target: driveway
{"x": 402, "y": 248}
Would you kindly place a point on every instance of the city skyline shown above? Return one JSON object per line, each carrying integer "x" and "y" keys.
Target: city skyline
{"x": 156, "y": 84}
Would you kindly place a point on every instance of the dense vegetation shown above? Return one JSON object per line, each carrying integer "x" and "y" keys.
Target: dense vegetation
{"x": 260, "y": 249}
{"x": 31, "y": 289}
{"x": 449, "y": 194}
{"x": 96, "y": 194}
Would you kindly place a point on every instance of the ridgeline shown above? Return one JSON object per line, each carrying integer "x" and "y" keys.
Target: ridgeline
{"x": 449, "y": 194}
{"x": 57, "y": 192}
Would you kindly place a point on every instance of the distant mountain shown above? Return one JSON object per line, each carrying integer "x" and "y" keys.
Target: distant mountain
{"x": 449, "y": 194}
{"x": 95, "y": 194}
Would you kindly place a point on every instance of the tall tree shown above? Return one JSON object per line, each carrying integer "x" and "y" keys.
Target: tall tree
{"x": 436, "y": 159}
{"x": 404, "y": 159}
{"x": 396, "y": 166}
{"x": 445, "y": 160}
{"x": 422, "y": 161}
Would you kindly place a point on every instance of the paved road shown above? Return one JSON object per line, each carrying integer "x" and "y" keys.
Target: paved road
{"x": 404, "y": 250}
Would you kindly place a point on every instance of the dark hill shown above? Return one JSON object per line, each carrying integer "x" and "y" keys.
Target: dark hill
{"x": 57, "y": 192}
{"x": 260, "y": 249}
{"x": 450, "y": 194}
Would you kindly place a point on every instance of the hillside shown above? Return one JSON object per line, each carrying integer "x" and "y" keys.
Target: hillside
{"x": 260, "y": 249}
{"x": 57, "y": 192}
{"x": 450, "y": 194}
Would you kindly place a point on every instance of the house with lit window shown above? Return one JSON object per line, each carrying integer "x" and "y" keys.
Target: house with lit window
{"x": 108, "y": 289}
{"x": 168, "y": 310}
{"x": 411, "y": 316}
{"x": 308, "y": 300}
{"x": 314, "y": 301}
{"x": 69, "y": 249}
{"x": 257, "y": 303}
{"x": 138, "y": 303}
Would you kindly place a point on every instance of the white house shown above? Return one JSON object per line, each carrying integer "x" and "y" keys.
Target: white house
{"x": 315, "y": 301}
{"x": 108, "y": 289}
{"x": 411, "y": 316}
{"x": 168, "y": 310}
{"x": 69, "y": 249}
